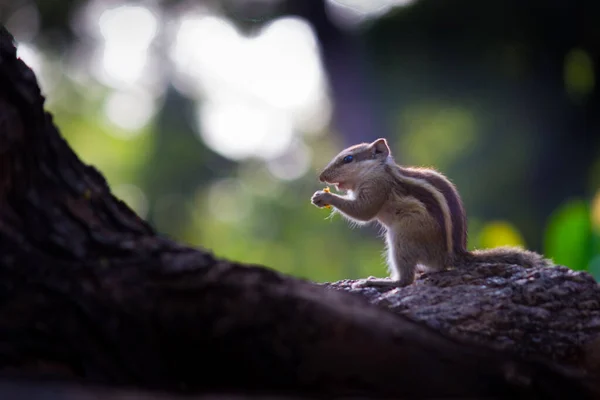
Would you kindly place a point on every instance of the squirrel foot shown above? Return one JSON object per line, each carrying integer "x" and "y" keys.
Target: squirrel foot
{"x": 378, "y": 282}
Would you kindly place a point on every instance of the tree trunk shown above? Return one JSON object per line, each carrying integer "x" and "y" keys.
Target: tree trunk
{"x": 90, "y": 293}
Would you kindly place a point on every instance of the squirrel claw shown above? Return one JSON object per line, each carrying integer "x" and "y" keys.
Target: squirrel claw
{"x": 319, "y": 199}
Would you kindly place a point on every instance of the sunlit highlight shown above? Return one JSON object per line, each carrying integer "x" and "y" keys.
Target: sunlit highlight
{"x": 129, "y": 111}
{"x": 128, "y": 31}
{"x": 351, "y": 13}
{"x": 30, "y": 56}
{"x": 259, "y": 91}
{"x": 240, "y": 130}
{"x": 579, "y": 73}
{"x": 35, "y": 60}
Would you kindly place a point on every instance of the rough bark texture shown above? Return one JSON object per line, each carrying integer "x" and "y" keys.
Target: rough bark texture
{"x": 549, "y": 312}
{"x": 90, "y": 293}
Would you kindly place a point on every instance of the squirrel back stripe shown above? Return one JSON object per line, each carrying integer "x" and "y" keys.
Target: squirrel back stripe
{"x": 419, "y": 187}
{"x": 455, "y": 205}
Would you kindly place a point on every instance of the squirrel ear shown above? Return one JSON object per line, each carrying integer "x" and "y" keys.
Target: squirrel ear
{"x": 380, "y": 147}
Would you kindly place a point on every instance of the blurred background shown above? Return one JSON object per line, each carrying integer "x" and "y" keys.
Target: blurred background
{"x": 211, "y": 119}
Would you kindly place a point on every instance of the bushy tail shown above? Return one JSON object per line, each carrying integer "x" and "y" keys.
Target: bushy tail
{"x": 504, "y": 255}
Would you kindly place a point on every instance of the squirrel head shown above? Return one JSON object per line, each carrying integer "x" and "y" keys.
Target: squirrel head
{"x": 356, "y": 163}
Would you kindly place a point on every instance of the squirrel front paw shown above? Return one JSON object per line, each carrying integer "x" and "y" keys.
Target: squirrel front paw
{"x": 321, "y": 198}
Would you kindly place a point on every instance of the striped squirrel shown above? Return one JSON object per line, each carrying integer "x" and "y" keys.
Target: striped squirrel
{"x": 420, "y": 209}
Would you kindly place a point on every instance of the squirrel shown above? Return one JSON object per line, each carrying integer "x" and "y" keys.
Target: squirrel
{"x": 420, "y": 209}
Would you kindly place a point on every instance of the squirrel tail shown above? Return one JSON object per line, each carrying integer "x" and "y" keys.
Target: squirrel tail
{"x": 503, "y": 255}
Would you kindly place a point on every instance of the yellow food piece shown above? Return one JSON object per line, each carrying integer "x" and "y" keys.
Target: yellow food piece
{"x": 326, "y": 190}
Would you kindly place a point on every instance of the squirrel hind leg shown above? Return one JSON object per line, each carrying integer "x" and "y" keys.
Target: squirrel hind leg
{"x": 402, "y": 273}
{"x": 402, "y": 266}
{"x": 375, "y": 282}
{"x": 433, "y": 264}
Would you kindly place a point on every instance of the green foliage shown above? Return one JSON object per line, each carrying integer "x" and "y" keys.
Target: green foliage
{"x": 579, "y": 74}
{"x": 569, "y": 235}
{"x": 435, "y": 134}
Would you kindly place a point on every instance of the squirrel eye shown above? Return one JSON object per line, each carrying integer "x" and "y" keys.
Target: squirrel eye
{"x": 348, "y": 159}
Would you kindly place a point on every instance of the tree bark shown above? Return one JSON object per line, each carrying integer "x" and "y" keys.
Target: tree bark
{"x": 89, "y": 292}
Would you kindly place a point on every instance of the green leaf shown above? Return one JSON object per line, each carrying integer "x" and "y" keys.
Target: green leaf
{"x": 568, "y": 235}
{"x": 579, "y": 74}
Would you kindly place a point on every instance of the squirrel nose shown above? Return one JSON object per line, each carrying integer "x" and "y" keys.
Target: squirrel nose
{"x": 321, "y": 179}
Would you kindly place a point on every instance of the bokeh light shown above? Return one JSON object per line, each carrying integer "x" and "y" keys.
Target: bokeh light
{"x": 130, "y": 111}
{"x": 292, "y": 164}
{"x": 239, "y": 130}
{"x": 579, "y": 74}
{"x": 256, "y": 92}
{"x": 500, "y": 233}
{"x": 30, "y": 56}
{"x": 127, "y": 31}
{"x": 351, "y": 13}
{"x": 24, "y": 22}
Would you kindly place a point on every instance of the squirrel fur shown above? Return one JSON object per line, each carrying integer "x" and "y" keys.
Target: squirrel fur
{"x": 421, "y": 210}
